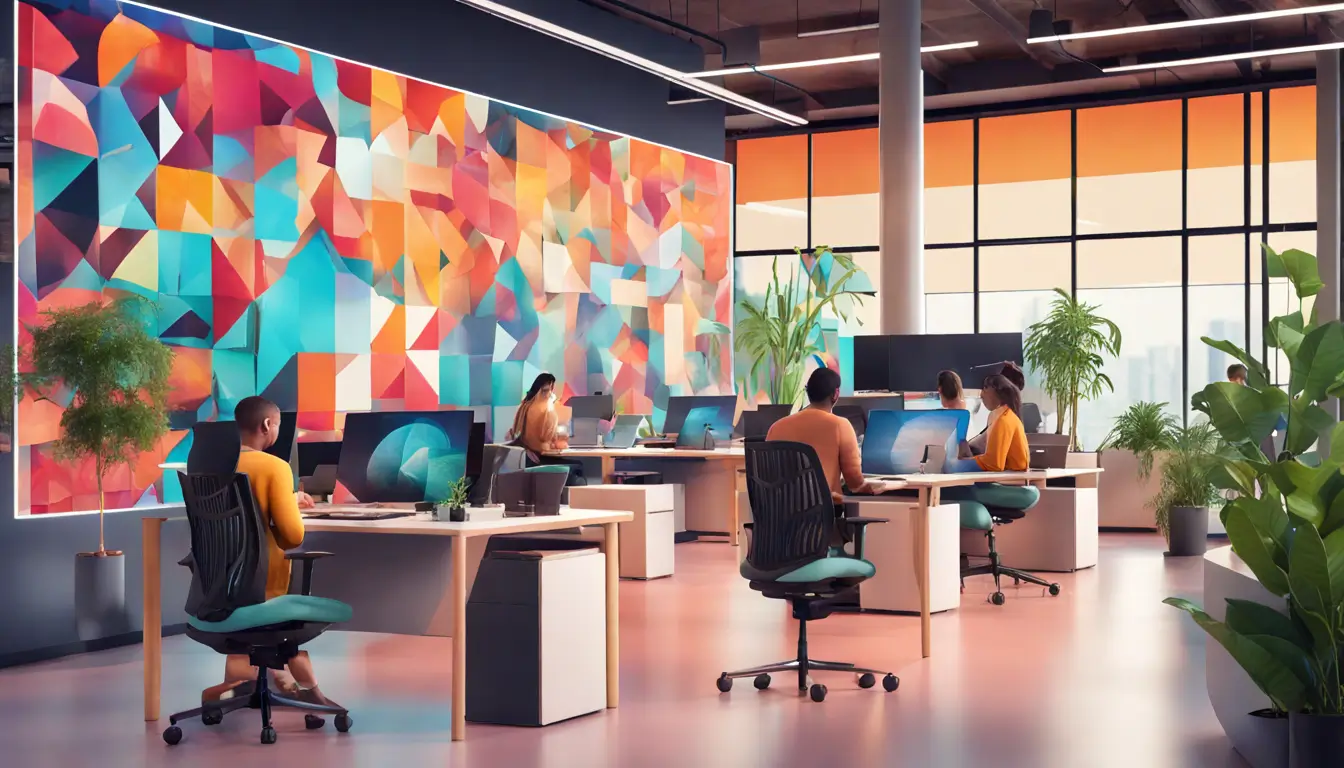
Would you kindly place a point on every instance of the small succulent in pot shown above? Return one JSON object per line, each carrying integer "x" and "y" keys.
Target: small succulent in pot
{"x": 455, "y": 502}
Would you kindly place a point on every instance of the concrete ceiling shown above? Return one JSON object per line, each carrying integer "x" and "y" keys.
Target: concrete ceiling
{"x": 1003, "y": 68}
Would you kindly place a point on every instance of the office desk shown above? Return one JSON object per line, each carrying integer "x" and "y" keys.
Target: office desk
{"x": 734, "y": 458}
{"x": 418, "y": 526}
{"x": 930, "y": 487}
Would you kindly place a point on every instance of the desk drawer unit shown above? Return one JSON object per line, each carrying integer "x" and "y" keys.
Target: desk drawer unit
{"x": 647, "y": 542}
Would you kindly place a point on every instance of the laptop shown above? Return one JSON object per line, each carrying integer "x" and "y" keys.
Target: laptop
{"x": 1048, "y": 456}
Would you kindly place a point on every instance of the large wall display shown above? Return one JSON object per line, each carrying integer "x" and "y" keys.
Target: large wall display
{"x": 340, "y": 238}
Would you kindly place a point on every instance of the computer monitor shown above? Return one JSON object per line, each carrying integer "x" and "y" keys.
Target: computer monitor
{"x": 702, "y": 419}
{"x": 214, "y": 448}
{"x": 874, "y": 402}
{"x": 316, "y": 454}
{"x": 679, "y": 405}
{"x": 601, "y": 407}
{"x": 404, "y": 456}
{"x": 757, "y": 423}
{"x": 283, "y": 447}
{"x": 895, "y": 441}
{"x": 475, "y": 448}
{"x": 872, "y": 364}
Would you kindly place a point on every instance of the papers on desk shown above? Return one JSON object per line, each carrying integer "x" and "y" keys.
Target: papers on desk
{"x": 878, "y": 487}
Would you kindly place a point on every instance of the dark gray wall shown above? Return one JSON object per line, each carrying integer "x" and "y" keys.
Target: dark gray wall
{"x": 441, "y": 41}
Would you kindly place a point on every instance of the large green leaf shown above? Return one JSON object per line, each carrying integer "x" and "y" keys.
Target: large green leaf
{"x": 1298, "y": 266}
{"x": 1301, "y": 486}
{"x": 1271, "y": 676}
{"x": 1286, "y": 332}
{"x": 1306, "y": 423}
{"x": 1267, "y": 516}
{"x": 1295, "y": 659}
{"x": 1334, "y": 518}
{"x": 1334, "y": 558}
{"x": 1248, "y": 617}
{"x": 1248, "y": 542}
{"x": 1318, "y": 362}
{"x": 1233, "y": 475}
{"x": 1256, "y": 374}
{"x": 1243, "y": 414}
{"x": 1309, "y": 572}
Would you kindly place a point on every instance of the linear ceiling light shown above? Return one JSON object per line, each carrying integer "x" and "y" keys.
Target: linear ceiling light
{"x": 1224, "y": 57}
{"x": 1235, "y": 19}
{"x": 634, "y": 60}
{"x": 821, "y": 62}
{"x": 838, "y": 30}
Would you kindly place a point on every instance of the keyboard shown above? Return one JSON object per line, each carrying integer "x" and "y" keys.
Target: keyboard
{"x": 369, "y": 514}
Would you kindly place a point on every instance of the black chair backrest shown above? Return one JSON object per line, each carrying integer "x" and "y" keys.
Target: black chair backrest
{"x": 855, "y": 415}
{"x": 495, "y": 460}
{"x": 215, "y": 446}
{"x": 792, "y": 511}
{"x": 228, "y": 545}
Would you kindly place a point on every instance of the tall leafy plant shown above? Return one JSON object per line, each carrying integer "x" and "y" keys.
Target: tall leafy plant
{"x": 1287, "y": 522}
{"x": 111, "y": 377}
{"x": 1143, "y": 429}
{"x": 778, "y": 332}
{"x": 1187, "y": 472}
{"x": 1068, "y": 350}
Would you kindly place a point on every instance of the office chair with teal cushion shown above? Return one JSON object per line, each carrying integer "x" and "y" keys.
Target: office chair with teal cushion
{"x": 790, "y": 557}
{"x": 989, "y": 504}
{"x": 227, "y": 607}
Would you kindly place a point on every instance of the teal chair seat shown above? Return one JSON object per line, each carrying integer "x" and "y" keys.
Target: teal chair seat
{"x": 548, "y": 469}
{"x": 285, "y": 608}
{"x": 975, "y": 516}
{"x": 833, "y": 567}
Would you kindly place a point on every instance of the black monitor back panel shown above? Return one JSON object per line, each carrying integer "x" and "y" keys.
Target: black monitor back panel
{"x": 915, "y": 361}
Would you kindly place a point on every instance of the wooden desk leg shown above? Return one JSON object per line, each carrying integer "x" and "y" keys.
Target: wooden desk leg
{"x": 459, "y": 638}
{"x": 151, "y": 529}
{"x": 608, "y": 469}
{"x": 611, "y": 547}
{"x": 737, "y": 513}
{"x": 927, "y": 496}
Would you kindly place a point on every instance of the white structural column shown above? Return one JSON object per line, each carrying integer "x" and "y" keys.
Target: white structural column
{"x": 900, "y": 291}
{"x": 1329, "y": 80}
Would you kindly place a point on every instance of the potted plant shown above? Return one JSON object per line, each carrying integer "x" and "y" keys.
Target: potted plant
{"x": 1186, "y": 491}
{"x": 1287, "y": 520}
{"x": 453, "y": 507}
{"x": 111, "y": 377}
{"x": 1128, "y": 455}
{"x": 1067, "y": 350}
{"x": 779, "y": 332}
{"x": 8, "y": 391}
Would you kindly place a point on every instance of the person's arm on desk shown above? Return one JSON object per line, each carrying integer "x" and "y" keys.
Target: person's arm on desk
{"x": 851, "y": 461}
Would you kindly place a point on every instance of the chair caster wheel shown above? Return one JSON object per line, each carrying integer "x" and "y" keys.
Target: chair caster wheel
{"x": 725, "y": 683}
{"x": 313, "y": 722}
{"x": 1054, "y": 590}
{"x": 172, "y": 735}
{"x": 890, "y": 683}
{"x": 343, "y": 723}
{"x": 211, "y": 717}
{"x": 866, "y": 680}
{"x": 818, "y": 692}
{"x": 267, "y": 735}
{"x": 762, "y": 682}
{"x": 997, "y": 598}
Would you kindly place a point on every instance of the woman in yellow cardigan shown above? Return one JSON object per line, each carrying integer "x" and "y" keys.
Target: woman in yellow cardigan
{"x": 1006, "y": 446}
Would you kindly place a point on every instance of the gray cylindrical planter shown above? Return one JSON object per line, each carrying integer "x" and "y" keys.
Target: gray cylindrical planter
{"x": 100, "y": 596}
{"x": 1187, "y": 531}
{"x": 1315, "y": 741}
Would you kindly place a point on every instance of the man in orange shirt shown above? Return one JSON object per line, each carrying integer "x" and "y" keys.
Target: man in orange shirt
{"x": 829, "y": 435}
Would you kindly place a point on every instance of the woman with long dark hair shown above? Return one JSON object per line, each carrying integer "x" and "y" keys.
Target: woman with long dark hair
{"x": 1006, "y": 443}
{"x": 534, "y": 426}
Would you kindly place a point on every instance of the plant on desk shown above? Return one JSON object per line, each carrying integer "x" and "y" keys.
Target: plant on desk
{"x": 1186, "y": 491}
{"x": 780, "y": 331}
{"x": 1068, "y": 350}
{"x": 1287, "y": 522}
{"x": 456, "y": 500}
{"x": 111, "y": 378}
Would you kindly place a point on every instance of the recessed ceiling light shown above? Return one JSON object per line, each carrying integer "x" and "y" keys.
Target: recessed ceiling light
{"x": 1235, "y": 19}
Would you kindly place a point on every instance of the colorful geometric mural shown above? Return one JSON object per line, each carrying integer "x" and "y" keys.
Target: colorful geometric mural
{"x": 340, "y": 238}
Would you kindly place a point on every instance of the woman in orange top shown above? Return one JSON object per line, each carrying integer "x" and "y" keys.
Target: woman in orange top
{"x": 1006, "y": 446}
{"x": 534, "y": 426}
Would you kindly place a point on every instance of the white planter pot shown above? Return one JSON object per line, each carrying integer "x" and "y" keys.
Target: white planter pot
{"x": 1122, "y": 500}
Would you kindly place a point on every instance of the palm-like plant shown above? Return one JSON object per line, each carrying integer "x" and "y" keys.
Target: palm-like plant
{"x": 779, "y": 332}
{"x": 1143, "y": 429}
{"x": 1187, "y": 472}
{"x": 1067, "y": 350}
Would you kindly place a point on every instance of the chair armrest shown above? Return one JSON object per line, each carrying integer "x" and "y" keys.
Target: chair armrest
{"x": 307, "y": 557}
{"x": 188, "y": 562}
{"x": 859, "y": 525}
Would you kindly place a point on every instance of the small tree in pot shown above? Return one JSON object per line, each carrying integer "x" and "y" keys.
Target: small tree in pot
{"x": 111, "y": 377}
{"x": 1187, "y": 492}
{"x": 1068, "y": 350}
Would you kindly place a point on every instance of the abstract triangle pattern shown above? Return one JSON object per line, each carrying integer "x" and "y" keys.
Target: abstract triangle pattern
{"x": 339, "y": 238}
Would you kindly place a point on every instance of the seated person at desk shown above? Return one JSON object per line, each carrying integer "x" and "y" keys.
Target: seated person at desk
{"x": 1006, "y": 446}
{"x": 1018, "y": 379}
{"x": 832, "y": 437}
{"x": 950, "y": 392}
{"x": 535, "y": 428}
{"x": 272, "y": 483}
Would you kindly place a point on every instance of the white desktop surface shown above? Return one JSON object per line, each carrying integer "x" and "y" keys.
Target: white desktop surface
{"x": 639, "y": 452}
{"x": 494, "y": 522}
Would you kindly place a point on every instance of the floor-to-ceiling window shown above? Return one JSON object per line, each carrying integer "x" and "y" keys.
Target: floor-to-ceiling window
{"x": 1154, "y": 211}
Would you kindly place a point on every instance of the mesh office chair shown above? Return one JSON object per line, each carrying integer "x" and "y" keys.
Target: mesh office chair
{"x": 215, "y": 446}
{"x": 993, "y": 505}
{"x": 228, "y": 610}
{"x": 790, "y": 557}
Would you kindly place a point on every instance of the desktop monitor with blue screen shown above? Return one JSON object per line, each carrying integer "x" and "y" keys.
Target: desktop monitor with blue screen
{"x": 702, "y": 419}
{"x": 895, "y": 440}
{"x": 404, "y": 456}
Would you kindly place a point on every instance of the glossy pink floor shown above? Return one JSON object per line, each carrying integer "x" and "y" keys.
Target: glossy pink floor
{"x": 1104, "y": 675}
